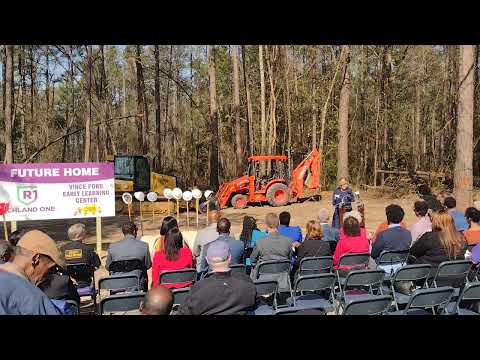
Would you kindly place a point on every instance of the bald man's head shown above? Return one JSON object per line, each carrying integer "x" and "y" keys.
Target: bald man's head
{"x": 157, "y": 301}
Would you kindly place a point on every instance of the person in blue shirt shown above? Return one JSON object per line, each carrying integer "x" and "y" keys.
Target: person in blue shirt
{"x": 249, "y": 236}
{"x": 343, "y": 195}
{"x": 461, "y": 223}
{"x": 235, "y": 246}
{"x": 329, "y": 232}
{"x": 33, "y": 257}
{"x": 292, "y": 232}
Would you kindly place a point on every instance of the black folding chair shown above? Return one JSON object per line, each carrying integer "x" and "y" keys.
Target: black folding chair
{"x": 266, "y": 288}
{"x": 121, "y": 303}
{"x": 275, "y": 270}
{"x": 80, "y": 272}
{"x": 409, "y": 274}
{"x": 391, "y": 260}
{"x": 470, "y": 293}
{"x": 332, "y": 244}
{"x": 315, "y": 265}
{"x": 120, "y": 283}
{"x": 355, "y": 261}
{"x": 359, "y": 280}
{"x": 178, "y": 276}
{"x": 314, "y": 283}
{"x": 300, "y": 310}
{"x": 74, "y": 306}
{"x": 423, "y": 299}
{"x": 375, "y": 305}
{"x": 238, "y": 268}
{"x": 128, "y": 267}
{"x": 179, "y": 295}
{"x": 452, "y": 273}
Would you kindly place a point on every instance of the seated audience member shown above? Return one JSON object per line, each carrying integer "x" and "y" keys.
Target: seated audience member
{"x": 395, "y": 237}
{"x": 222, "y": 293}
{"x": 206, "y": 235}
{"x": 6, "y": 251}
{"x": 313, "y": 245}
{"x": 329, "y": 232}
{"x": 15, "y": 236}
{"x": 249, "y": 236}
{"x": 32, "y": 258}
{"x": 474, "y": 255}
{"x": 353, "y": 239}
{"x": 173, "y": 256}
{"x": 461, "y": 223}
{"x": 58, "y": 285}
{"x": 130, "y": 248}
{"x": 157, "y": 301}
{"x": 472, "y": 235}
{"x": 423, "y": 224}
{"x": 443, "y": 243}
{"x": 76, "y": 251}
{"x": 384, "y": 226}
{"x": 292, "y": 232}
{"x": 273, "y": 246}
{"x": 168, "y": 223}
{"x": 236, "y": 246}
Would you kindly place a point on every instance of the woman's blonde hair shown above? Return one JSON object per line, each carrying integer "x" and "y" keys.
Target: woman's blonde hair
{"x": 452, "y": 241}
{"x": 314, "y": 230}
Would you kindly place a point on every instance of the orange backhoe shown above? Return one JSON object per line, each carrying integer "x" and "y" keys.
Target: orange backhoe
{"x": 278, "y": 189}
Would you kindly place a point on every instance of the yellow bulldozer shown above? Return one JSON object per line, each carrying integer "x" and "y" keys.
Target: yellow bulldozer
{"x": 132, "y": 173}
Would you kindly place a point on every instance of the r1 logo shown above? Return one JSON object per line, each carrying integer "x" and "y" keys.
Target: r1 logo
{"x": 27, "y": 194}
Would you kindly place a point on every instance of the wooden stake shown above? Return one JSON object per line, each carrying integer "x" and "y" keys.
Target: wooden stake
{"x": 168, "y": 205}
{"x": 129, "y": 212}
{"x": 178, "y": 212}
{"x": 98, "y": 226}
{"x": 188, "y": 223}
{"x": 13, "y": 226}
{"x": 141, "y": 217}
{"x": 5, "y": 228}
{"x": 207, "y": 211}
{"x": 196, "y": 208}
{"x": 153, "y": 215}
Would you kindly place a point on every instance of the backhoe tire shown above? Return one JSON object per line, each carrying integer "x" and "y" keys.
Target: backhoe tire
{"x": 278, "y": 195}
{"x": 239, "y": 201}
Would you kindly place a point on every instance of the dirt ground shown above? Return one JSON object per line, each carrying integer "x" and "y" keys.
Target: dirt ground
{"x": 300, "y": 212}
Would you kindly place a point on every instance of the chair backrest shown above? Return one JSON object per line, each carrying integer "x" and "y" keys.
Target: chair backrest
{"x": 389, "y": 257}
{"x": 364, "y": 278}
{"x": 412, "y": 273}
{"x": 456, "y": 270}
{"x": 238, "y": 268}
{"x": 80, "y": 270}
{"x": 117, "y": 282}
{"x": 359, "y": 259}
{"x": 121, "y": 302}
{"x": 125, "y": 266}
{"x": 179, "y": 295}
{"x": 316, "y": 265}
{"x": 332, "y": 244}
{"x": 314, "y": 282}
{"x": 294, "y": 310}
{"x": 374, "y": 305}
{"x": 266, "y": 287}
{"x": 178, "y": 276}
{"x": 471, "y": 291}
{"x": 273, "y": 267}
{"x": 74, "y": 307}
{"x": 429, "y": 298}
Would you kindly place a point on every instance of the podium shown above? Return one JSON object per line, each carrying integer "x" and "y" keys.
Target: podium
{"x": 352, "y": 206}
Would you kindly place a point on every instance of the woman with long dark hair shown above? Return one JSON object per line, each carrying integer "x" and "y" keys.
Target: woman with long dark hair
{"x": 250, "y": 234}
{"x": 168, "y": 223}
{"x": 173, "y": 256}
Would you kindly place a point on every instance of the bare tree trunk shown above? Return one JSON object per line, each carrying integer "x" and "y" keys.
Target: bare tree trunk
{"x": 249, "y": 103}
{"x": 141, "y": 109}
{"x": 463, "y": 179}
{"x": 158, "y": 121}
{"x": 9, "y": 96}
{"x": 47, "y": 92}
{"x": 213, "y": 120}
{"x": 289, "y": 112}
{"x": 272, "y": 138}
{"x": 86, "y": 157}
{"x": 342, "y": 162}
{"x": 236, "y": 112}
{"x": 21, "y": 70}
{"x": 263, "y": 123}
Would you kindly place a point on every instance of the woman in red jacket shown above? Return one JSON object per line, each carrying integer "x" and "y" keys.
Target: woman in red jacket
{"x": 353, "y": 239}
{"x": 174, "y": 256}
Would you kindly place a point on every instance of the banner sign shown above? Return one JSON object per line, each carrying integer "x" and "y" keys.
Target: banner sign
{"x": 57, "y": 190}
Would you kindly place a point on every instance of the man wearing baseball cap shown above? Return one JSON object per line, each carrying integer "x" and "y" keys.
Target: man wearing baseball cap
{"x": 223, "y": 292}
{"x": 33, "y": 257}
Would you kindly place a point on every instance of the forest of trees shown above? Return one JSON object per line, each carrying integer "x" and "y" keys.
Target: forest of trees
{"x": 197, "y": 112}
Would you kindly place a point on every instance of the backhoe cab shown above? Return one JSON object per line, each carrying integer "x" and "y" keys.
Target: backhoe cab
{"x": 278, "y": 189}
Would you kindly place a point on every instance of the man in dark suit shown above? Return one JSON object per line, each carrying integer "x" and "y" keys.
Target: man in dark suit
{"x": 395, "y": 237}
